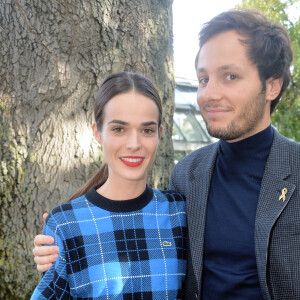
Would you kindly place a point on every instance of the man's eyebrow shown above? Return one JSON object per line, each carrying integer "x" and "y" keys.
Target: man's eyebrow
{"x": 200, "y": 70}
{"x": 221, "y": 68}
{"x": 227, "y": 67}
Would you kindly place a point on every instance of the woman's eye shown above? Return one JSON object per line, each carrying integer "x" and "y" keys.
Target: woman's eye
{"x": 118, "y": 129}
{"x": 148, "y": 131}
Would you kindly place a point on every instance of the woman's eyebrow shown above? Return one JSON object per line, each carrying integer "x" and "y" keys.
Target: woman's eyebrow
{"x": 126, "y": 123}
{"x": 149, "y": 123}
{"x": 118, "y": 122}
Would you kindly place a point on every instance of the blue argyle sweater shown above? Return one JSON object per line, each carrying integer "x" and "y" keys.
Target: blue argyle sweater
{"x": 132, "y": 249}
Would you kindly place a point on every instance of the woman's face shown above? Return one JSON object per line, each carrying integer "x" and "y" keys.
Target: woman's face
{"x": 129, "y": 137}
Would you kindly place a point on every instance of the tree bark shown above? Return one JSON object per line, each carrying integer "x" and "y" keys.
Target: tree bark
{"x": 53, "y": 56}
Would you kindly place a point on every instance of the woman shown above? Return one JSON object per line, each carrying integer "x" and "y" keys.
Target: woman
{"x": 118, "y": 238}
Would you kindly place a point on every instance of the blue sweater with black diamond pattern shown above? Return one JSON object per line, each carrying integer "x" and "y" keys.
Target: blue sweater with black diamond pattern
{"x": 132, "y": 249}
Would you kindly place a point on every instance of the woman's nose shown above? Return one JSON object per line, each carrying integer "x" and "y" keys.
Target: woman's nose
{"x": 133, "y": 141}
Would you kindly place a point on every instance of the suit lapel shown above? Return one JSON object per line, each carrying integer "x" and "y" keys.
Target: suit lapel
{"x": 196, "y": 208}
{"x": 274, "y": 195}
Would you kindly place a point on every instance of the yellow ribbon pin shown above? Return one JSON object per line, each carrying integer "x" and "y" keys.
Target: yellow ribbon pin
{"x": 283, "y": 193}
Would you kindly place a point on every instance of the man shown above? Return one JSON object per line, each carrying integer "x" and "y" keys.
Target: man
{"x": 243, "y": 192}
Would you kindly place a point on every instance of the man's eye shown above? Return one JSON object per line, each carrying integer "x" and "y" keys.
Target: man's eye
{"x": 203, "y": 81}
{"x": 231, "y": 77}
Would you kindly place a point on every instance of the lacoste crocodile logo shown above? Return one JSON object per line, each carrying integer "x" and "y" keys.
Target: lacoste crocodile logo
{"x": 167, "y": 244}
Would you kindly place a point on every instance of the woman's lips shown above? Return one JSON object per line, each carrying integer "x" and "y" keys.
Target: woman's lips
{"x": 132, "y": 161}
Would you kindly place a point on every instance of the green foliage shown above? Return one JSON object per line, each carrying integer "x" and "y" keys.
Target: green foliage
{"x": 286, "y": 117}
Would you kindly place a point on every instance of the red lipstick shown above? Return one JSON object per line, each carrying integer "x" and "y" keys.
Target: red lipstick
{"x": 132, "y": 161}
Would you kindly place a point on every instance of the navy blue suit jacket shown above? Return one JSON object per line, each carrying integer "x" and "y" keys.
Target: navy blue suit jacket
{"x": 277, "y": 225}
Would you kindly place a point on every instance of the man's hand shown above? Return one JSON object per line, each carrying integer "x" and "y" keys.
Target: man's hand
{"x": 44, "y": 256}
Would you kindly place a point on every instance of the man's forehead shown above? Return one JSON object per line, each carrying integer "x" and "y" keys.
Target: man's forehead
{"x": 223, "y": 51}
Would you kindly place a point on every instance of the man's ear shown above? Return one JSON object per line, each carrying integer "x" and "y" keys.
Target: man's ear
{"x": 273, "y": 88}
{"x": 97, "y": 133}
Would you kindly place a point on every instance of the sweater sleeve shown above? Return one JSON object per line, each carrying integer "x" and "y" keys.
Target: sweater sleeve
{"x": 54, "y": 284}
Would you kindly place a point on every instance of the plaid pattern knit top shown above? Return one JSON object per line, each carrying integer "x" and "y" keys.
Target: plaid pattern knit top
{"x": 130, "y": 249}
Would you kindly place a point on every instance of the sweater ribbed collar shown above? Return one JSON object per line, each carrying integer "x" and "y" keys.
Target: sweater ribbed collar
{"x": 120, "y": 205}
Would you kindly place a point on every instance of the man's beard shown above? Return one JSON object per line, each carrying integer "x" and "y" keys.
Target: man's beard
{"x": 251, "y": 114}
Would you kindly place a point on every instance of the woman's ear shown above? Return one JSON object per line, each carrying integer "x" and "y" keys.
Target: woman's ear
{"x": 273, "y": 88}
{"x": 97, "y": 133}
{"x": 160, "y": 130}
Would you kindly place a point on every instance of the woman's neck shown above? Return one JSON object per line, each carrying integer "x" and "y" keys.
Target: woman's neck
{"x": 122, "y": 189}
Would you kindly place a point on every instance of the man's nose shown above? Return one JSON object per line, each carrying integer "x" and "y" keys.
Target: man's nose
{"x": 212, "y": 90}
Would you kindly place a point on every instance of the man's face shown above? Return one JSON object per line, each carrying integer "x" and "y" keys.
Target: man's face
{"x": 230, "y": 94}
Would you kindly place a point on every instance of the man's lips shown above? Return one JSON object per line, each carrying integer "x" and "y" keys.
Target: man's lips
{"x": 132, "y": 161}
{"x": 216, "y": 111}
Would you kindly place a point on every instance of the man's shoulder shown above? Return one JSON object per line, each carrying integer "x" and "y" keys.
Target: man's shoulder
{"x": 284, "y": 155}
{"x": 284, "y": 145}
{"x": 198, "y": 155}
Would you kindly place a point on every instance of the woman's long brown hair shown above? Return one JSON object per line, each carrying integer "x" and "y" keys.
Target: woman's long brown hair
{"x": 113, "y": 85}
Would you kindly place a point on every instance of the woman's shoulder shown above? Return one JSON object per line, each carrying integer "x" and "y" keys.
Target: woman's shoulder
{"x": 67, "y": 210}
{"x": 169, "y": 202}
{"x": 171, "y": 195}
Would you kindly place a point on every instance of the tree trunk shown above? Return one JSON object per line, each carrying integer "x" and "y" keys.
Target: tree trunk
{"x": 54, "y": 55}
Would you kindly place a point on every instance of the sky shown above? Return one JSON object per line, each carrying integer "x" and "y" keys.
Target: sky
{"x": 188, "y": 15}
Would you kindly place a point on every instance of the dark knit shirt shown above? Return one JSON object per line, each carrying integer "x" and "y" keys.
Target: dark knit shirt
{"x": 230, "y": 270}
{"x": 132, "y": 249}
